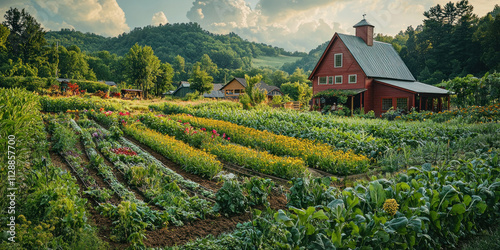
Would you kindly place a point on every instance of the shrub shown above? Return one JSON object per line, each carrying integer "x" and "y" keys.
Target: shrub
{"x": 230, "y": 198}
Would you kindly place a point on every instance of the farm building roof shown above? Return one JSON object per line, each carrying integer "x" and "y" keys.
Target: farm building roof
{"x": 414, "y": 86}
{"x": 182, "y": 85}
{"x": 380, "y": 60}
{"x": 263, "y": 85}
{"x": 363, "y": 23}
{"x": 109, "y": 83}
{"x": 216, "y": 92}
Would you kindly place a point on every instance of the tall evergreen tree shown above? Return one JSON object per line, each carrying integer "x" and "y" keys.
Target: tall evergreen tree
{"x": 26, "y": 38}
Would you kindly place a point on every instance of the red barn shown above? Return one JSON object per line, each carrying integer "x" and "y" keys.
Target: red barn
{"x": 376, "y": 76}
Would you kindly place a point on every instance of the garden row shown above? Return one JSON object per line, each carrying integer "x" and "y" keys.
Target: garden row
{"x": 394, "y": 144}
{"x": 315, "y": 154}
{"x": 132, "y": 216}
{"x": 196, "y": 149}
{"x": 339, "y": 132}
{"x": 49, "y": 213}
{"x": 425, "y": 208}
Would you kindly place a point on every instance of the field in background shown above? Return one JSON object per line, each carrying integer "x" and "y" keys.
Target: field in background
{"x": 273, "y": 61}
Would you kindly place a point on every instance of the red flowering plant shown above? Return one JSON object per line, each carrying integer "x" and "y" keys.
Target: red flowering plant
{"x": 73, "y": 89}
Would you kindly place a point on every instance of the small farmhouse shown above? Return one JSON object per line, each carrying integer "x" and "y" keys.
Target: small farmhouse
{"x": 372, "y": 74}
{"x": 236, "y": 87}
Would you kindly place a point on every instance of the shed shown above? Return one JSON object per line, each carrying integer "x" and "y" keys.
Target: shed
{"x": 131, "y": 93}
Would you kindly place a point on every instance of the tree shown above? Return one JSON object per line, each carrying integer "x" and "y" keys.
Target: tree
{"x": 207, "y": 65}
{"x": 179, "y": 66}
{"x": 253, "y": 95}
{"x": 4, "y": 34}
{"x": 141, "y": 67}
{"x": 298, "y": 91}
{"x": 487, "y": 35}
{"x": 26, "y": 38}
{"x": 279, "y": 77}
{"x": 200, "y": 80}
{"x": 73, "y": 64}
{"x": 299, "y": 76}
{"x": 164, "y": 78}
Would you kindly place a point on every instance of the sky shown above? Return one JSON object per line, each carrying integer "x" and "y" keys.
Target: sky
{"x": 295, "y": 25}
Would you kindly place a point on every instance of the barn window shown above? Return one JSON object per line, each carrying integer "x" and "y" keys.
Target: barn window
{"x": 322, "y": 80}
{"x": 353, "y": 78}
{"x": 338, "y": 60}
{"x": 338, "y": 79}
{"x": 330, "y": 80}
{"x": 386, "y": 103}
{"x": 402, "y": 103}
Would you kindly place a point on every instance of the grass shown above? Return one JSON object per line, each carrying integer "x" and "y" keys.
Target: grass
{"x": 273, "y": 61}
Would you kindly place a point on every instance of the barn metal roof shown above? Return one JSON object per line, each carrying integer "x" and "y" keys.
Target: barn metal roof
{"x": 380, "y": 60}
{"x": 363, "y": 23}
{"x": 414, "y": 86}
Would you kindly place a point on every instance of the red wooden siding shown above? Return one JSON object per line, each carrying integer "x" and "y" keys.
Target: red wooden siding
{"x": 349, "y": 67}
{"x": 381, "y": 91}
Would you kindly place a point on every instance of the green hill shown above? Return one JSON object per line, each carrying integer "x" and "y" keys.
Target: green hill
{"x": 308, "y": 62}
{"x": 188, "y": 40}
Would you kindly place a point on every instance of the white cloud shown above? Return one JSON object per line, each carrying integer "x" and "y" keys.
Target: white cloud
{"x": 103, "y": 17}
{"x": 159, "y": 18}
{"x": 298, "y": 26}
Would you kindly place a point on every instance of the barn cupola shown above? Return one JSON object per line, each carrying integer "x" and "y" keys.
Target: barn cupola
{"x": 365, "y": 30}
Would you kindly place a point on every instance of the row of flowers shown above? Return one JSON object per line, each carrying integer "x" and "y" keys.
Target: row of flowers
{"x": 260, "y": 161}
{"x": 219, "y": 144}
{"x": 315, "y": 154}
{"x": 191, "y": 159}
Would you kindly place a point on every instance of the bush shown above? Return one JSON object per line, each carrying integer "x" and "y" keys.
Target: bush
{"x": 50, "y": 104}
{"x": 192, "y": 96}
{"x": 92, "y": 86}
{"x": 230, "y": 198}
{"x": 29, "y": 83}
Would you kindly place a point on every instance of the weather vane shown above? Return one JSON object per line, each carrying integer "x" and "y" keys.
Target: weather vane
{"x": 364, "y": 16}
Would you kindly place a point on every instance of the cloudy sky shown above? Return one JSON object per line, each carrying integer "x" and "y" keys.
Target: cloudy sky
{"x": 292, "y": 24}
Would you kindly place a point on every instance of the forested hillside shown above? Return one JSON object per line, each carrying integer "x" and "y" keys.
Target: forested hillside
{"x": 188, "y": 40}
{"x": 452, "y": 42}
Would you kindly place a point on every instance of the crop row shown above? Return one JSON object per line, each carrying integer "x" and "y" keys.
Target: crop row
{"x": 213, "y": 142}
{"x": 315, "y": 154}
{"x": 363, "y": 136}
{"x": 131, "y": 217}
{"x": 48, "y": 211}
{"x": 158, "y": 187}
{"x": 62, "y": 104}
{"x": 191, "y": 159}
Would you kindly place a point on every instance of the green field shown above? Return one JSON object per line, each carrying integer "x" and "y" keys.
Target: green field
{"x": 273, "y": 61}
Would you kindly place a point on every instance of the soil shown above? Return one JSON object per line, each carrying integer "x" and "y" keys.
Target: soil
{"x": 175, "y": 167}
{"x": 173, "y": 235}
{"x": 115, "y": 199}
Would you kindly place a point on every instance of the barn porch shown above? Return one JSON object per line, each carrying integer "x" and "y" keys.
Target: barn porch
{"x": 350, "y": 99}
{"x": 408, "y": 95}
